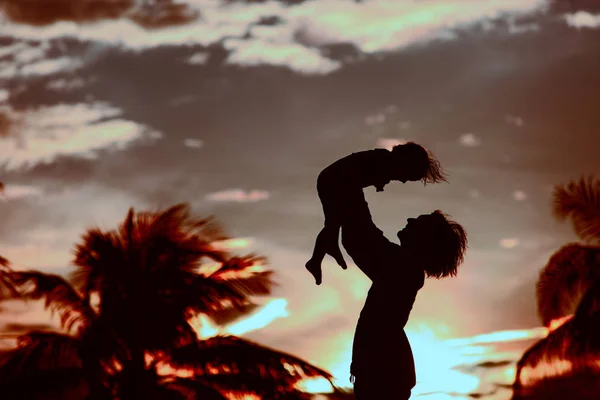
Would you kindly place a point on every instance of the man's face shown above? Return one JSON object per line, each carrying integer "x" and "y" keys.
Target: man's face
{"x": 416, "y": 228}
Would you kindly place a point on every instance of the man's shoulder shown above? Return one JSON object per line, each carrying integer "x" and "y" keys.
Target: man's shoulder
{"x": 375, "y": 153}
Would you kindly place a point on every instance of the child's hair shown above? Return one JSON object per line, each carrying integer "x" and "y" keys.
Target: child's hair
{"x": 447, "y": 246}
{"x": 423, "y": 161}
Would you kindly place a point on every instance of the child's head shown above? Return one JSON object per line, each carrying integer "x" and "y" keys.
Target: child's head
{"x": 436, "y": 240}
{"x": 413, "y": 163}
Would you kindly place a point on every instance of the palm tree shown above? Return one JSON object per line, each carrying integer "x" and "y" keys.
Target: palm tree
{"x": 569, "y": 285}
{"x": 125, "y": 312}
{"x": 579, "y": 201}
{"x": 564, "y": 365}
{"x": 564, "y": 280}
{"x": 571, "y": 271}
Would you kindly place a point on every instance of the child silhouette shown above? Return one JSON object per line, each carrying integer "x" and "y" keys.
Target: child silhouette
{"x": 340, "y": 188}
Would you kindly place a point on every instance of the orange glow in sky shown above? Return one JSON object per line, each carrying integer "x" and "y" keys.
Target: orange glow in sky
{"x": 428, "y": 341}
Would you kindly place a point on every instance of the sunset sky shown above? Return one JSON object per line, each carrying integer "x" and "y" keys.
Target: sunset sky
{"x": 235, "y": 107}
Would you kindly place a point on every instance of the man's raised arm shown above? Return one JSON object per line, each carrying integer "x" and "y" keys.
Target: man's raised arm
{"x": 366, "y": 243}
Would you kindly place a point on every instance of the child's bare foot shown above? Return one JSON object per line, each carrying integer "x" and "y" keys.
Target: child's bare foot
{"x": 336, "y": 253}
{"x": 314, "y": 267}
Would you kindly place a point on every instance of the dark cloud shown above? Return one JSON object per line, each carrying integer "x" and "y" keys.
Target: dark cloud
{"x": 5, "y": 124}
{"x": 150, "y": 14}
{"x": 44, "y": 12}
{"x": 161, "y": 13}
{"x": 567, "y": 6}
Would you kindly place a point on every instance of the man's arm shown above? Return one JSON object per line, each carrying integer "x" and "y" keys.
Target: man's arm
{"x": 367, "y": 245}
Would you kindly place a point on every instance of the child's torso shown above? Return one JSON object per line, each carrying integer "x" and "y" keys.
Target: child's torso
{"x": 360, "y": 169}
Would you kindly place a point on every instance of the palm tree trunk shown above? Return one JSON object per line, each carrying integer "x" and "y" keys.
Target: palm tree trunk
{"x": 134, "y": 381}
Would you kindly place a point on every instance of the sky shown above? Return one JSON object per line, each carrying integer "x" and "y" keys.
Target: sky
{"x": 235, "y": 107}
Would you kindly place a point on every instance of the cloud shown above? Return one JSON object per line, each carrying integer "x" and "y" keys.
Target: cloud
{"x": 52, "y": 66}
{"x": 519, "y": 195}
{"x": 200, "y": 58}
{"x": 404, "y": 125}
{"x": 47, "y": 12}
{"x": 66, "y": 84}
{"x": 193, "y": 143}
{"x": 509, "y": 243}
{"x": 239, "y": 196}
{"x": 25, "y": 60}
{"x": 293, "y": 37}
{"x": 474, "y": 193}
{"x": 514, "y": 120}
{"x": 160, "y": 14}
{"x": 32, "y": 255}
{"x": 469, "y": 140}
{"x": 150, "y": 15}
{"x": 258, "y": 52}
{"x": 41, "y": 135}
{"x": 15, "y": 192}
{"x": 181, "y": 100}
{"x": 582, "y": 19}
{"x": 375, "y": 119}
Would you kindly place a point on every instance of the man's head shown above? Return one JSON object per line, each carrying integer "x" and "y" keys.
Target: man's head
{"x": 436, "y": 240}
{"x": 413, "y": 163}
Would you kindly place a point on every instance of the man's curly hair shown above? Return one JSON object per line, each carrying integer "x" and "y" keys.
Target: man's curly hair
{"x": 447, "y": 246}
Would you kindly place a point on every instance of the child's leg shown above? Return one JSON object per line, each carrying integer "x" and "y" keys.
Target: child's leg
{"x": 314, "y": 264}
{"x": 331, "y": 239}
{"x": 326, "y": 243}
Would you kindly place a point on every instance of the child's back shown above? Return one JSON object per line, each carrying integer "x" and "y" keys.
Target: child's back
{"x": 358, "y": 170}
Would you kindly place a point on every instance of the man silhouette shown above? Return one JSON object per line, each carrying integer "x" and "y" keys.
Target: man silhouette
{"x": 431, "y": 246}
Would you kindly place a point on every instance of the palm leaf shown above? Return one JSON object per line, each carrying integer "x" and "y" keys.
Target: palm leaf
{"x": 147, "y": 245}
{"x": 41, "y": 351}
{"x": 246, "y": 275}
{"x": 64, "y": 383}
{"x": 228, "y": 290}
{"x": 59, "y": 296}
{"x": 245, "y": 361}
{"x": 7, "y": 286}
{"x": 580, "y": 201}
{"x": 569, "y": 273}
{"x": 572, "y": 350}
{"x": 192, "y": 389}
{"x": 266, "y": 387}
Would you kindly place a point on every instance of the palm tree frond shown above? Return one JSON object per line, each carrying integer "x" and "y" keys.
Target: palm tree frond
{"x": 59, "y": 296}
{"x": 7, "y": 286}
{"x": 567, "y": 276}
{"x": 41, "y": 351}
{"x": 265, "y": 387}
{"x": 246, "y": 275}
{"x": 245, "y": 359}
{"x": 64, "y": 383}
{"x": 193, "y": 389}
{"x": 580, "y": 201}
{"x": 573, "y": 349}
